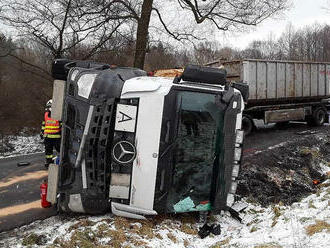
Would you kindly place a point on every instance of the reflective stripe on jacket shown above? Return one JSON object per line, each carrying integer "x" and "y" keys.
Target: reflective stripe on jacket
{"x": 52, "y": 127}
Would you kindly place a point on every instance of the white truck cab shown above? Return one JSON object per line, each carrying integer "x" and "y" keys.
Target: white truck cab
{"x": 138, "y": 146}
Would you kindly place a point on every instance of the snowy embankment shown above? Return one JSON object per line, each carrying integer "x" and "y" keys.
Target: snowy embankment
{"x": 303, "y": 224}
{"x": 11, "y": 146}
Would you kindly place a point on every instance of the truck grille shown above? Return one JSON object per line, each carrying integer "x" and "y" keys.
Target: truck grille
{"x": 97, "y": 147}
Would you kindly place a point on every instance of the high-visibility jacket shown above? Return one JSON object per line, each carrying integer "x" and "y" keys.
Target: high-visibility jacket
{"x": 51, "y": 128}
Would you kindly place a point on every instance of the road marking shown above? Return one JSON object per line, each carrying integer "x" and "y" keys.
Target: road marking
{"x": 19, "y": 208}
{"x": 7, "y": 181}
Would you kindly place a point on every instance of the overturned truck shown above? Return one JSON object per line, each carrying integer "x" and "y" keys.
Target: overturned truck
{"x": 138, "y": 146}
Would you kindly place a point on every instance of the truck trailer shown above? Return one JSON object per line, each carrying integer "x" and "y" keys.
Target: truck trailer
{"x": 138, "y": 146}
{"x": 282, "y": 91}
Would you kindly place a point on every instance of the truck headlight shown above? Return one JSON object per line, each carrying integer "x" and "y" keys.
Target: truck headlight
{"x": 85, "y": 84}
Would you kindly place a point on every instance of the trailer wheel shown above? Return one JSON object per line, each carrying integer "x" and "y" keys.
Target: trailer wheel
{"x": 247, "y": 124}
{"x": 319, "y": 116}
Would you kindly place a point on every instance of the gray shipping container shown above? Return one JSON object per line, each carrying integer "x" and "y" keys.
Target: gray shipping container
{"x": 280, "y": 80}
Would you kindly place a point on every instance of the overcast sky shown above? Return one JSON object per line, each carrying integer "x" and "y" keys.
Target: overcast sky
{"x": 302, "y": 13}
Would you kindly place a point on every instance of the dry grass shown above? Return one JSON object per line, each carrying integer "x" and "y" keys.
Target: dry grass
{"x": 274, "y": 223}
{"x": 146, "y": 230}
{"x": 270, "y": 245}
{"x": 118, "y": 238}
{"x": 253, "y": 229}
{"x": 311, "y": 204}
{"x": 187, "y": 218}
{"x": 158, "y": 236}
{"x": 124, "y": 232}
{"x": 172, "y": 237}
{"x": 323, "y": 185}
{"x": 34, "y": 239}
{"x": 254, "y": 221}
{"x": 304, "y": 219}
{"x": 253, "y": 211}
{"x": 86, "y": 239}
{"x": 277, "y": 214}
{"x": 82, "y": 223}
{"x": 277, "y": 211}
{"x": 221, "y": 243}
{"x": 313, "y": 151}
{"x": 188, "y": 229}
{"x": 102, "y": 230}
{"x": 139, "y": 243}
{"x": 186, "y": 243}
{"x": 121, "y": 223}
{"x": 158, "y": 219}
{"x": 319, "y": 226}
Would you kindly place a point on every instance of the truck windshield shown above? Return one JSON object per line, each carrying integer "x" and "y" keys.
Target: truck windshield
{"x": 198, "y": 143}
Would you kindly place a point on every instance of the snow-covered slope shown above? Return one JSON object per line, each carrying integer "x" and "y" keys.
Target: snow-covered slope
{"x": 303, "y": 224}
{"x": 11, "y": 146}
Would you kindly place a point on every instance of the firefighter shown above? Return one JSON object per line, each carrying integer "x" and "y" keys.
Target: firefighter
{"x": 51, "y": 132}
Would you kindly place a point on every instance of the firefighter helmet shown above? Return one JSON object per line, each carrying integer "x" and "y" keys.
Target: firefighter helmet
{"x": 49, "y": 103}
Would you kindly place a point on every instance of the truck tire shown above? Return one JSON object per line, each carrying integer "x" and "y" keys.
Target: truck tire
{"x": 319, "y": 115}
{"x": 247, "y": 124}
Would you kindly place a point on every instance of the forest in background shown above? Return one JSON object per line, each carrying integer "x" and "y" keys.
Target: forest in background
{"x": 26, "y": 83}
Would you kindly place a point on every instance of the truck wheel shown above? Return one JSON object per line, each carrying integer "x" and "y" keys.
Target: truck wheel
{"x": 319, "y": 116}
{"x": 247, "y": 124}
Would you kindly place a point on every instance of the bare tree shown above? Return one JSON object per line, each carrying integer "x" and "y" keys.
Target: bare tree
{"x": 205, "y": 52}
{"x": 311, "y": 43}
{"x": 220, "y": 14}
{"x": 59, "y": 25}
{"x": 223, "y": 15}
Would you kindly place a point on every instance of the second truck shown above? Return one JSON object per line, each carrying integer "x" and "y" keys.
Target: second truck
{"x": 282, "y": 91}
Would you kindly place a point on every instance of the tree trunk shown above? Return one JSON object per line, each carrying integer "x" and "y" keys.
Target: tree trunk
{"x": 142, "y": 34}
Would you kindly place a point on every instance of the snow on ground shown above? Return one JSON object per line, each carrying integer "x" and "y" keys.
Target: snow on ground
{"x": 11, "y": 146}
{"x": 303, "y": 224}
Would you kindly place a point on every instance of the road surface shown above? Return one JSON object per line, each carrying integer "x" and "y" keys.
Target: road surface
{"x": 270, "y": 135}
{"x": 20, "y": 193}
{"x": 19, "y": 186}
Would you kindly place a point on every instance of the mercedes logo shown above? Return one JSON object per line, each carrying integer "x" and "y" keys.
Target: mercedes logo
{"x": 123, "y": 152}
